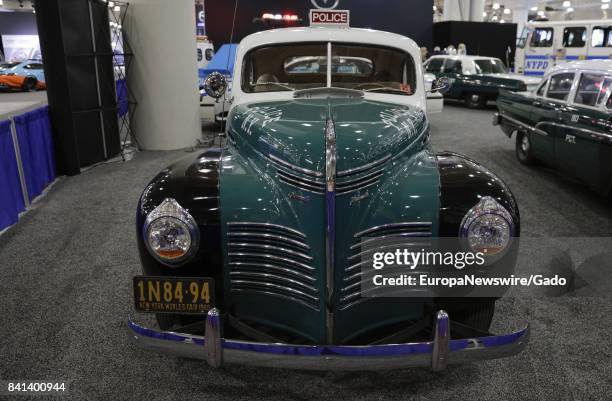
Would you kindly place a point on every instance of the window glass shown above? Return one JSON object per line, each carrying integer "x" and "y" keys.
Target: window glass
{"x": 574, "y": 37}
{"x": 452, "y": 65}
{"x": 434, "y": 65}
{"x": 606, "y": 89}
{"x": 294, "y": 66}
{"x": 490, "y": 66}
{"x": 560, "y": 86}
{"x": 589, "y": 89}
{"x": 601, "y": 36}
{"x": 542, "y": 37}
{"x": 541, "y": 89}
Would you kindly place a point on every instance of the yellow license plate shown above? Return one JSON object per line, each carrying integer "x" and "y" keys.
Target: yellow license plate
{"x": 173, "y": 294}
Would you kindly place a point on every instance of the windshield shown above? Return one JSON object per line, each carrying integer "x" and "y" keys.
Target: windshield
{"x": 7, "y": 66}
{"x": 293, "y": 66}
{"x": 490, "y": 66}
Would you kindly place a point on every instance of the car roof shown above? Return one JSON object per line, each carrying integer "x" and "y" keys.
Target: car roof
{"x": 327, "y": 34}
{"x": 594, "y": 65}
{"x": 463, "y": 57}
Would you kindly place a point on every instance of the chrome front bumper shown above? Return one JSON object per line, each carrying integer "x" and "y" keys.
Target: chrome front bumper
{"x": 436, "y": 354}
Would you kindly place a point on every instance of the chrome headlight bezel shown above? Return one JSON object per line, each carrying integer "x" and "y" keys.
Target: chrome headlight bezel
{"x": 169, "y": 209}
{"x": 488, "y": 207}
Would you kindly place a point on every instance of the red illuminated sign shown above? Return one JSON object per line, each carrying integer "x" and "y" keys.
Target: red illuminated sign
{"x": 329, "y": 18}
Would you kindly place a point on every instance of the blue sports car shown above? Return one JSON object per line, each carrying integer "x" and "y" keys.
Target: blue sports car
{"x": 24, "y": 75}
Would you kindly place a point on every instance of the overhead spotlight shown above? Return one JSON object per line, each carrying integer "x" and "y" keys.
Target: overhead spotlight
{"x": 605, "y": 6}
{"x": 567, "y": 4}
{"x": 507, "y": 11}
{"x": 570, "y": 9}
{"x": 496, "y": 6}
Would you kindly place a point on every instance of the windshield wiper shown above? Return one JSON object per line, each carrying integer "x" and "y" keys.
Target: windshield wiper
{"x": 281, "y": 84}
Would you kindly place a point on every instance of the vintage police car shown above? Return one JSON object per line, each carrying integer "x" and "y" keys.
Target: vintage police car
{"x": 477, "y": 79}
{"x": 262, "y": 240}
{"x": 566, "y": 122}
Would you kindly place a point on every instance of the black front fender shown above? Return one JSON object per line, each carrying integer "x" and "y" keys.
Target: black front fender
{"x": 193, "y": 182}
{"x": 463, "y": 182}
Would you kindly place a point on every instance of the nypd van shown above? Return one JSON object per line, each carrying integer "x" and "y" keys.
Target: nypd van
{"x": 545, "y": 44}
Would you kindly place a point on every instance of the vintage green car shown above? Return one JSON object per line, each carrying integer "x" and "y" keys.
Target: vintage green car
{"x": 477, "y": 79}
{"x": 253, "y": 253}
{"x": 566, "y": 122}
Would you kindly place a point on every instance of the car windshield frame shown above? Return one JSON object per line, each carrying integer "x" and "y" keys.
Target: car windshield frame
{"x": 405, "y": 83}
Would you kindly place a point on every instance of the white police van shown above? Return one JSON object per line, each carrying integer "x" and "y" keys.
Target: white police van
{"x": 545, "y": 44}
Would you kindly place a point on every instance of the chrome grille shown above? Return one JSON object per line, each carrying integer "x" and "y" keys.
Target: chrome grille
{"x": 273, "y": 260}
{"x": 347, "y": 181}
{"x": 298, "y": 177}
{"x": 376, "y": 239}
{"x": 361, "y": 177}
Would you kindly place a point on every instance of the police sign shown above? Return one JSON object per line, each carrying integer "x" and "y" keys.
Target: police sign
{"x": 329, "y": 18}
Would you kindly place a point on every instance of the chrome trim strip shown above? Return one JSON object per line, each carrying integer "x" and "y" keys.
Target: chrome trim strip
{"x": 268, "y": 237}
{"x": 526, "y": 126}
{"x": 294, "y": 167}
{"x": 359, "y": 185}
{"x": 306, "y": 181}
{"x": 441, "y": 348}
{"x": 252, "y": 245}
{"x": 398, "y": 235}
{"x": 358, "y": 188}
{"x": 411, "y": 224}
{"x": 274, "y": 294}
{"x": 359, "y": 169}
{"x": 259, "y": 275}
{"x": 254, "y": 283}
{"x": 296, "y": 183}
{"x": 268, "y": 256}
{"x": 362, "y": 178}
{"x": 599, "y": 136}
{"x": 266, "y": 225}
{"x": 380, "y": 248}
{"x": 330, "y": 216}
{"x": 246, "y": 265}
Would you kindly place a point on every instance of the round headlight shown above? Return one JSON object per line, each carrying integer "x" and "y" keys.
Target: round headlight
{"x": 171, "y": 233}
{"x": 487, "y": 227}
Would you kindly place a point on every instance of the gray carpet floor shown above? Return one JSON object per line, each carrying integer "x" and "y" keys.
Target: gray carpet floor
{"x": 65, "y": 291}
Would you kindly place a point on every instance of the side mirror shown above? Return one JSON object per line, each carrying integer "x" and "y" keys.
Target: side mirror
{"x": 215, "y": 85}
{"x": 440, "y": 85}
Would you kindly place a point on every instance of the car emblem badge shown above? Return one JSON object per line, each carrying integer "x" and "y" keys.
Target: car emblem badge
{"x": 575, "y": 118}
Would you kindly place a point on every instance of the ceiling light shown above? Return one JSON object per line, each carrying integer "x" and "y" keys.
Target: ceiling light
{"x": 111, "y": 4}
{"x": 567, "y": 4}
{"x": 570, "y": 9}
{"x": 484, "y": 13}
{"x": 502, "y": 22}
{"x": 435, "y": 8}
{"x": 494, "y": 18}
{"x": 507, "y": 11}
{"x": 605, "y": 6}
{"x": 534, "y": 8}
{"x": 117, "y": 8}
{"x": 496, "y": 6}
{"x": 541, "y": 13}
{"x": 1, "y": 3}
{"x": 605, "y": 1}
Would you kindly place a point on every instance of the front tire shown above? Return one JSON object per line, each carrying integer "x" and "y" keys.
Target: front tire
{"x": 524, "y": 152}
{"x": 29, "y": 84}
{"x": 475, "y": 101}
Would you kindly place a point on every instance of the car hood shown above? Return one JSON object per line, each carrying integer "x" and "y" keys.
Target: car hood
{"x": 294, "y": 131}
